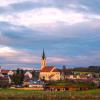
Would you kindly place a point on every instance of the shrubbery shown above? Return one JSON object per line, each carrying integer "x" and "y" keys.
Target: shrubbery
{"x": 90, "y": 85}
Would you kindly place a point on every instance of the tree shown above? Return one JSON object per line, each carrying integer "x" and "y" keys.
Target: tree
{"x": 4, "y": 82}
{"x": 18, "y": 78}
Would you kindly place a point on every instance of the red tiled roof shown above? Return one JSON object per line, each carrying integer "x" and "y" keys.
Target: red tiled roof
{"x": 47, "y": 69}
{"x": 55, "y": 70}
{"x": 5, "y": 71}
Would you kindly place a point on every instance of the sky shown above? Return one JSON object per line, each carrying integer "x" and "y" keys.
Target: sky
{"x": 68, "y": 31}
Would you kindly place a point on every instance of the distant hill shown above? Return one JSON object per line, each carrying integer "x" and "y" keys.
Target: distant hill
{"x": 88, "y": 69}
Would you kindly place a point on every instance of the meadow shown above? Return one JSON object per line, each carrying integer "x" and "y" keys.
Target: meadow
{"x": 13, "y": 94}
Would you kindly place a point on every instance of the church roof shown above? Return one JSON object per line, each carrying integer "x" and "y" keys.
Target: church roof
{"x": 43, "y": 55}
{"x": 56, "y": 70}
{"x": 49, "y": 69}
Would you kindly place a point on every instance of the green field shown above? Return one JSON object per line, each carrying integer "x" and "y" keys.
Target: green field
{"x": 12, "y": 94}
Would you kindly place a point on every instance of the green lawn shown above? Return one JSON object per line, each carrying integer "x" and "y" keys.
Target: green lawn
{"x": 13, "y": 94}
{"x": 15, "y": 91}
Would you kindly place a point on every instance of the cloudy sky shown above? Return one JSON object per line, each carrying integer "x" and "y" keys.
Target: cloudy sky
{"x": 68, "y": 30}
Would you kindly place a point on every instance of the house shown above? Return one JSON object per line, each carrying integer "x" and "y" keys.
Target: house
{"x": 61, "y": 88}
{"x": 73, "y": 77}
{"x": 29, "y": 74}
{"x": 48, "y": 72}
{"x": 65, "y": 73}
{"x": 7, "y": 72}
{"x": 4, "y": 82}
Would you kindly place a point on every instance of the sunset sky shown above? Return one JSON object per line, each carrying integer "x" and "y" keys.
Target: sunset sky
{"x": 68, "y": 30}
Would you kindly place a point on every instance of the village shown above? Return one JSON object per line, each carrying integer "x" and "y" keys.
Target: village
{"x": 51, "y": 78}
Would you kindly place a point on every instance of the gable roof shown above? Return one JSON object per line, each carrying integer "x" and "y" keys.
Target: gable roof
{"x": 5, "y": 71}
{"x": 49, "y": 69}
{"x": 56, "y": 70}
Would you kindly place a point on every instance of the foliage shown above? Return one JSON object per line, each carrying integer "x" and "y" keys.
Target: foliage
{"x": 95, "y": 69}
{"x": 18, "y": 77}
{"x": 71, "y": 83}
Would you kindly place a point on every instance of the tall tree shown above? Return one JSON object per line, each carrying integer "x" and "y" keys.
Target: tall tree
{"x": 18, "y": 77}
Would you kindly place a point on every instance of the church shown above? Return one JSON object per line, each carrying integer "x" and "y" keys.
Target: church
{"x": 48, "y": 72}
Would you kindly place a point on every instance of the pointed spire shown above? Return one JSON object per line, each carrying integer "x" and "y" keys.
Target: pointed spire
{"x": 43, "y": 55}
{"x": 43, "y": 60}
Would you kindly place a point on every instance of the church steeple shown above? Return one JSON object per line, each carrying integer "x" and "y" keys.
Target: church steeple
{"x": 43, "y": 62}
{"x": 43, "y": 55}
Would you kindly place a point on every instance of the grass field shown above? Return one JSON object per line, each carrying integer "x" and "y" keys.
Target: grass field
{"x": 13, "y": 94}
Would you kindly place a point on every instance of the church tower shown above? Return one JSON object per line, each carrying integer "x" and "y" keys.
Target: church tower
{"x": 43, "y": 62}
